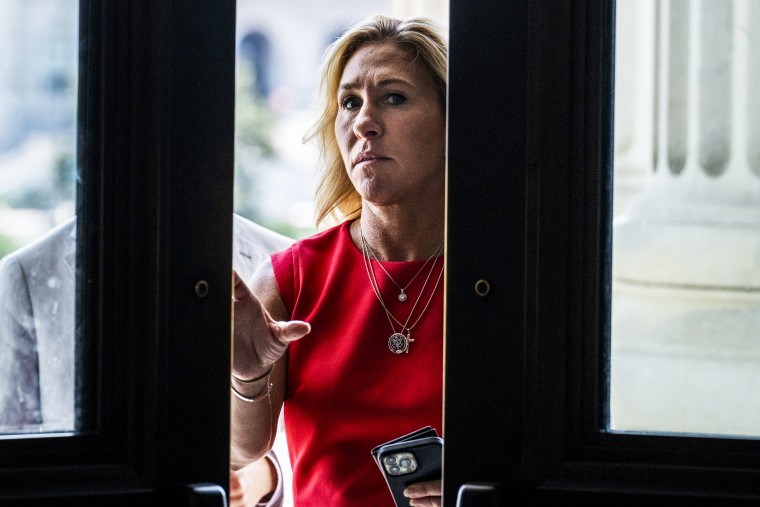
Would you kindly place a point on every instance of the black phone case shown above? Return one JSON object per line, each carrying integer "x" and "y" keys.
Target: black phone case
{"x": 426, "y": 448}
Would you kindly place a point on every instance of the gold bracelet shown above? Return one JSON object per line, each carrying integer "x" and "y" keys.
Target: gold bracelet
{"x": 261, "y": 396}
{"x": 251, "y": 381}
{"x": 257, "y": 398}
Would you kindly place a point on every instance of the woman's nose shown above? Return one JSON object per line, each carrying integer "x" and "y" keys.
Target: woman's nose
{"x": 367, "y": 123}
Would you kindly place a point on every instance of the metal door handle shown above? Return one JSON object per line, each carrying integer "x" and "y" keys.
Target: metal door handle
{"x": 205, "y": 494}
{"x": 479, "y": 494}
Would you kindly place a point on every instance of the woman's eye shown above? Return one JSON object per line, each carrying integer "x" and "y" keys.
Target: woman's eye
{"x": 349, "y": 103}
{"x": 396, "y": 99}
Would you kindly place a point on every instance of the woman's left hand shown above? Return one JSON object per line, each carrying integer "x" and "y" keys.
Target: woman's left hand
{"x": 424, "y": 494}
{"x": 252, "y": 483}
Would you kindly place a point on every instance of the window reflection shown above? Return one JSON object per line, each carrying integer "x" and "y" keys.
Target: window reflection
{"x": 38, "y": 89}
{"x": 685, "y": 353}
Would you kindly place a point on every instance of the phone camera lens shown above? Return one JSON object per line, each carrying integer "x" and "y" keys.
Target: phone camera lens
{"x": 406, "y": 463}
{"x": 391, "y": 460}
{"x": 395, "y": 470}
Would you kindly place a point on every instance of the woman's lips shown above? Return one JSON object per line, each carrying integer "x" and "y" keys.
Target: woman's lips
{"x": 368, "y": 157}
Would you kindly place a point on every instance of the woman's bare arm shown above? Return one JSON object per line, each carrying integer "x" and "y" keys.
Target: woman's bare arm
{"x": 261, "y": 336}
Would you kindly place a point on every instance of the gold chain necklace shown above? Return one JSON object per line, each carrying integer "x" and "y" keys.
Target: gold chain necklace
{"x": 402, "y": 296}
{"x": 398, "y": 343}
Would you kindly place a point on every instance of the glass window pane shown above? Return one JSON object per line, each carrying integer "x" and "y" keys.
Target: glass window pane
{"x": 685, "y": 343}
{"x": 38, "y": 92}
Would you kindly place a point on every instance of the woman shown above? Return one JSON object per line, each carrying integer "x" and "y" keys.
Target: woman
{"x": 347, "y": 325}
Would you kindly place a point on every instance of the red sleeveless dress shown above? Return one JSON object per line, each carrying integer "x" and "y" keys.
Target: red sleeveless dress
{"x": 347, "y": 392}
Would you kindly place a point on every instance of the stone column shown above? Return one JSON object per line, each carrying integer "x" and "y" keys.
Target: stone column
{"x": 635, "y": 108}
{"x": 686, "y": 254}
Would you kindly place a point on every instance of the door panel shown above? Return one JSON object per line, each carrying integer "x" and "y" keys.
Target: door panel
{"x": 154, "y": 211}
{"x": 530, "y": 211}
{"x": 485, "y": 243}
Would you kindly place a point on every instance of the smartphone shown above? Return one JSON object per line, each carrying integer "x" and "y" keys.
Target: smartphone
{"x": 411, "y": 458}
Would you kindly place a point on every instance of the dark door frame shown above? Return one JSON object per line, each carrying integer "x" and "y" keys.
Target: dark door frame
{"x": 530, "y": 213}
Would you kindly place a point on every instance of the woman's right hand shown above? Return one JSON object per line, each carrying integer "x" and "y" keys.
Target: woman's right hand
{"x": 425, "y": 494}
{"x": 259, "y": 340}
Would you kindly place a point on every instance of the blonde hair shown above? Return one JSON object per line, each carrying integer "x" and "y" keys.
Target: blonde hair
{"x": 336, "y": 199}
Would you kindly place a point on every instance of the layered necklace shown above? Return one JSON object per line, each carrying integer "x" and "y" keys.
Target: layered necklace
{"x": 399, "y": 341}
{"x": 402, "y": 295}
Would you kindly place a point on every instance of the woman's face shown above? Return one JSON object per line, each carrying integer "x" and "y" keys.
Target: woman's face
{"x": 390, "y": 126}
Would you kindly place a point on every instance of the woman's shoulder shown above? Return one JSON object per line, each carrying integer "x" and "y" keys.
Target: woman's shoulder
{"x": 308, "y": 261}
{"x": 314, "y": 254}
